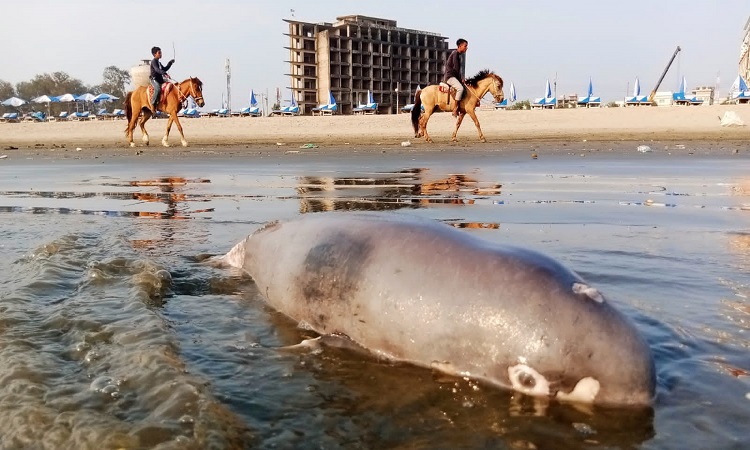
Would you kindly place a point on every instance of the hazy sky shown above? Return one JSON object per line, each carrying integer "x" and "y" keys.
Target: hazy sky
{"x": 524, "y": 41}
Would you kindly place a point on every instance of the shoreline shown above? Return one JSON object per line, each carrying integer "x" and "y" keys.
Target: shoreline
{"x": 618, "y": 129}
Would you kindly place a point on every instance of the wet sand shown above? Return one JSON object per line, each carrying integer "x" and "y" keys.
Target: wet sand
{"x": 612, "y": 129}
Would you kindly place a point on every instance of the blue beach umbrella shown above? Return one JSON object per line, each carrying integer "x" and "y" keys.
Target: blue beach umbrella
{"x": 683, "y": 83}
{"x": 253, "y": 102}
{"x": 742, "y": 84}
{"x": 105, "y": 98}
{"x": 637, "y": 87}
{"x": 591, "y": 88}
{"x": 512, "y": 92}
{"x": 331, "y": 99}
{"x": 370, "y": 97}
{"x": 548, "y": 90}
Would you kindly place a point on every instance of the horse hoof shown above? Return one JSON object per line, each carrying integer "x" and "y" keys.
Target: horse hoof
{"x": 483, "y": 140}
{"x": 132, "y": 144}
{"x": 184, "y": 143}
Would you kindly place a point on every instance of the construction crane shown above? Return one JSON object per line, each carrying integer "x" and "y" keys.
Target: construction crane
{"x": 666, "y": 69}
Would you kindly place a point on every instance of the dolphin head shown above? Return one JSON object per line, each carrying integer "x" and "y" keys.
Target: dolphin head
{"x": 587, "y": 351}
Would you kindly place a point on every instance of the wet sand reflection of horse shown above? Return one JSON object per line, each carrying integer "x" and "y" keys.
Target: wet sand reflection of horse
{"x": 137, "y": 104}
{"x": 431, "y": 97}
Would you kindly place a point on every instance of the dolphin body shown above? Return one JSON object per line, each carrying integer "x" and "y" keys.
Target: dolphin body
{"x": 417, "y": 290}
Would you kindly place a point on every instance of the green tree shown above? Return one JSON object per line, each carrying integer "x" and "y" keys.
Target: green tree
{"x": 51, "y": 84}
{"x": 6, "y": 90}
{"x": 115, "y": 81}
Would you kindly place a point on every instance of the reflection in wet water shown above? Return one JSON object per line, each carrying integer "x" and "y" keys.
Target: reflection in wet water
{"x": 408, "y": 188}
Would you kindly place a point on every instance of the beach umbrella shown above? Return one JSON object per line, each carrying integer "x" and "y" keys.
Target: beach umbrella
{"x": 591, "y": 88}
{"x": 105, "y": 98}
{"x": 512, "y": 92}
{"x": 683, "y": 83}
{"x": 741, "y": 84}
{"x": 293, "y": 103}
{"x": 45, "y": 99}
{"x": 14, "y": 101}
{"x": 66, "y": 98}
{"x": 85, "y": 97}
{"x": 548, "y": 90}
{"x": 331, "y": 99}
{"x": 253, "y": 102}
{"x": 370, "y": 97}
{"x": 637, "y": 87}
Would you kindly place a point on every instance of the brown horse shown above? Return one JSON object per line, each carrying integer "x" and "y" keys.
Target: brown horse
{"x": 137, "y": 105}
{"x": 431, "y": 98}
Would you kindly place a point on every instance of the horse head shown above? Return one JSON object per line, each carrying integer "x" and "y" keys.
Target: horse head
{"x": 194, "y": 89}
{"x": 496, "y": 88}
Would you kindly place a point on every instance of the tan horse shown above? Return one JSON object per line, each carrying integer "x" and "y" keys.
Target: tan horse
{"x": 431, "y": 98}
{"x": 137, "y": 104}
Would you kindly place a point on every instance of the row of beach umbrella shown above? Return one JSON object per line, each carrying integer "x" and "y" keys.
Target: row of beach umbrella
{"x": 16, "y": 102}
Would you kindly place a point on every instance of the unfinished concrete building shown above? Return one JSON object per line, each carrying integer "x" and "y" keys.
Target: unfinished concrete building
{"x": 356, "y": 54}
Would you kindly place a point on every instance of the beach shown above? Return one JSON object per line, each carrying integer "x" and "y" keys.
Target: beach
{"x": 515, "y": 129}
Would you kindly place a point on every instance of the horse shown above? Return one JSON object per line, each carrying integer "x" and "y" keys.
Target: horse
{"x": 431, "y": 97}
{"x": 137, "y": 101}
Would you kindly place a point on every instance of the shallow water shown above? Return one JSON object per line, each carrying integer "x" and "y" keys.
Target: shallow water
{"x": 115, "y": 333}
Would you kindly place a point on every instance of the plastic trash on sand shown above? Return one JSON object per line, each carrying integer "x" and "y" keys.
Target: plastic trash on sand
{"x": 643, "y": 148}
{"x": 731, "y": 119}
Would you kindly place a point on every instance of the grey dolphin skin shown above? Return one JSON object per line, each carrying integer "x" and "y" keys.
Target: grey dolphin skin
{"x": 418, "y": 290}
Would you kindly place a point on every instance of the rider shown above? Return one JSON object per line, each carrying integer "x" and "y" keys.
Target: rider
{"x": 158, "y": 72}
{"x": 455, "y": 67}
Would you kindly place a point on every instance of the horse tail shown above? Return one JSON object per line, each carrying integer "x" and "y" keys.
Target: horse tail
{"x": 128, "y": 109}
{"x": 416, "y": 111}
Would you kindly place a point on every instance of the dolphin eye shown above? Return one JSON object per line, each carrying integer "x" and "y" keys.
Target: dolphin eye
{"x": 527, "y": 380}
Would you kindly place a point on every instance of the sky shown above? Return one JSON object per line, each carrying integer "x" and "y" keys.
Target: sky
{"x": 524, "y": 41}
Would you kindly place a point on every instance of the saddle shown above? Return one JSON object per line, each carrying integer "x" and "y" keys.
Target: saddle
{"x": 166, "y": 88}
{"x": 445, "y": 88}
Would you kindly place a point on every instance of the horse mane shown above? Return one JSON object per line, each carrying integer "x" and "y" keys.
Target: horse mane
{"x": 484, "y": 73}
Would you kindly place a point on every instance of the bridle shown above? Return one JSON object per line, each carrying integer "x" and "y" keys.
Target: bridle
{"x": 474, "y": 94}
{"x": 191, "y": 93}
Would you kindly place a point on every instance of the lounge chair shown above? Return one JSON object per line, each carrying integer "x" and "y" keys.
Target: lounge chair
{"x": 369, "y": 108}
{"x": 291, "y": 110}
{"x": 36, "y": 116}
{"x": 9, "y": 117}
{"x": 102, "y": 114}
{"x": 589, "y": 102}
{"x": 192, "y": 113}
{"x": 223, "y": 112}
{"x": 62, "y": 116}
{"x": 544, "y": 102}
{"x": 252, "y": 111}
{"x": 325, "y": 110}
{"x": 80, "y": 116}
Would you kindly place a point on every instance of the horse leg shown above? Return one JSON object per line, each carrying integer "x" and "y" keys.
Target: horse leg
{"x": 165, "y": 139}
{"x": 179, "y": 128}
{"x": 476, "y": 122}
{"x": 142, "y": 123}
{"x": 423, "y": 124}
{"x": 458, "y": 125}
{"x": 131, "y": 128}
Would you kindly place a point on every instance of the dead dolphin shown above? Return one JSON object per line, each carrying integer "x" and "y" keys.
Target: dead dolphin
{"x": 417, "y": 290}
